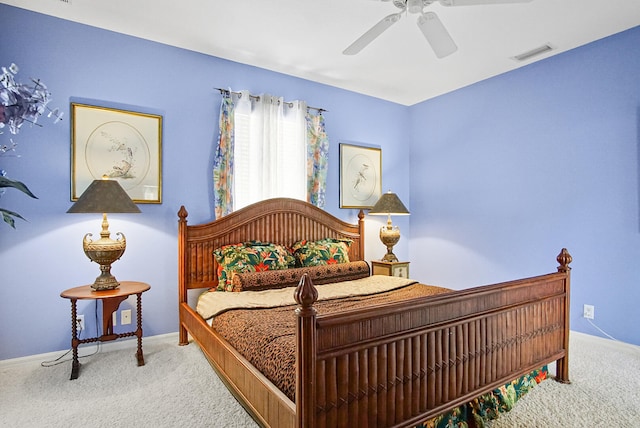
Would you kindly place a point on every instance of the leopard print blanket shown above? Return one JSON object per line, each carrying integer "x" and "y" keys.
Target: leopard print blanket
{"x": 267, "y": 337}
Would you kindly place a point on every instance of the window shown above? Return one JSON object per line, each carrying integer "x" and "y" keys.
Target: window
{"x": 270, "y": 151}
{"x": 268, "y": 148}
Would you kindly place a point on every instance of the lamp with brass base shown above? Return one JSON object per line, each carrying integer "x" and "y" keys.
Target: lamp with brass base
{"x": 104, "y": 196}
{"x": 389, "y": 204}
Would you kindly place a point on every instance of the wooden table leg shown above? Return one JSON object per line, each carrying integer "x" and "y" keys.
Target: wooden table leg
{"x": 75, "y": 364}
{"x": 139, "y": 354}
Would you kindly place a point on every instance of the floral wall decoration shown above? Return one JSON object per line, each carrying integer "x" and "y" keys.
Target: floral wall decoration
{"x": 19, "y": 103}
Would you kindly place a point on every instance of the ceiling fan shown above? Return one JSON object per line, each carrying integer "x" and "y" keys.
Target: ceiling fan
{"x": 428, "y": 22}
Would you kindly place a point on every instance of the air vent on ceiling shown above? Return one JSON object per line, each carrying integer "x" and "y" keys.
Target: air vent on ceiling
{"x": 534, "y": 52}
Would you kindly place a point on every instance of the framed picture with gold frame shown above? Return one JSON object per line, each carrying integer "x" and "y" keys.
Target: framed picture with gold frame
{"x": 360, "y": 176}
{"x": 124, "y": 145}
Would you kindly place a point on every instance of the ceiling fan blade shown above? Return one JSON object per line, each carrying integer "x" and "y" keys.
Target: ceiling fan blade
{"x": 479, "y": 2}
{"x": 437, "y": 36}
{"x": 372, "y": 34}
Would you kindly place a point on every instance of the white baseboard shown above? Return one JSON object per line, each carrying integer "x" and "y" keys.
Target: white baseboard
{"x": 87, "y": 349}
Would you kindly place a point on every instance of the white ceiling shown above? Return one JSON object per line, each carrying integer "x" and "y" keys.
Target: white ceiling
{"x": 305, "y": 38}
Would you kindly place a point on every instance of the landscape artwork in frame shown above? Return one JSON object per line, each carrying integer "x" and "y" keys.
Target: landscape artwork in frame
{"x": 123, "y": 145}
{"x": 360, "y": 176}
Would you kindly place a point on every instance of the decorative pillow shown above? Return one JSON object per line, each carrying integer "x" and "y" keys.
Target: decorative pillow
{"x": 249, "y": 257}
{"x": 322, "y": 252}
{"x": 255, "y": 281}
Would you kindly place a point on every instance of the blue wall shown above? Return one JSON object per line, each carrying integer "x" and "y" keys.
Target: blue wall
{"x": 506, "y": 172}
{"x": 79, "y": 63}
{"x": 502, "y": 174}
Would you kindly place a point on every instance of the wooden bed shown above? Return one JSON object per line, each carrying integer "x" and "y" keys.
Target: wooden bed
{"x": 396, "y": 365}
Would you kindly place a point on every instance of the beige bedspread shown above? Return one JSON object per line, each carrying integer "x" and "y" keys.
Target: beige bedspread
{"x": 216, "y": 302}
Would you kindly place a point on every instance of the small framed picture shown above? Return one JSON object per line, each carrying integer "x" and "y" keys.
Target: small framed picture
{"x": 124, "y": 145}
{"x": 360, "y": 176}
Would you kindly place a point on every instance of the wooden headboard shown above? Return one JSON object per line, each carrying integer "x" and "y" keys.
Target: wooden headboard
{"x": 280, "y": 220}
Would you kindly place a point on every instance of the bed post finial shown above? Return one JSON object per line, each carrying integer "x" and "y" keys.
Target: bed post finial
{"x": 306, "y": 293}
{"x": 564, "y": 258}
{"x": 182, "y": 213}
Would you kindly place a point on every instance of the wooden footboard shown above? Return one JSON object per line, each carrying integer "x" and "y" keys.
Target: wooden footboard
{"x": 400, "y": 364}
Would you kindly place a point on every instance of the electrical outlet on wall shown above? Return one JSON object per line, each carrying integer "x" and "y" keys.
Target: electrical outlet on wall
{"x": 114, "y": 318}
{"x": 588, "y": 312}
{"x": 125, "y": 317}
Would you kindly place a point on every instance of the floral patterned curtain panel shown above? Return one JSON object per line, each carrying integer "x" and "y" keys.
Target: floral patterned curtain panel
{"x": 317, "y": 158}
{"x": 317, "y": 147}
{"x": 223, "y": 160}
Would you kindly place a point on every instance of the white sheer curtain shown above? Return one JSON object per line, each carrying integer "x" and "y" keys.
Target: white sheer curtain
{"x": 270, "y": 150}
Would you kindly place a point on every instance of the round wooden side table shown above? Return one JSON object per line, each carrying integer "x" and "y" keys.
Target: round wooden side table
{"x": 111, "y": 300}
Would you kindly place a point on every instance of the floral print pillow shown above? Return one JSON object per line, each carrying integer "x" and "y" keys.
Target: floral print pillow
{"x": 322, "y": 252}
{"x": 249, "y": 257}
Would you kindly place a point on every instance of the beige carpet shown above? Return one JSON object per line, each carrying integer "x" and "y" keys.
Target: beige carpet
{"x": 177, "y": 388}
{"x": 604, "y": 390}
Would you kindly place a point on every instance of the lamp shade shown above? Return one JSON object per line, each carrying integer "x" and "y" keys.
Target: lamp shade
{"x": 104, "y": 196}
{"x": 389, "y": 204}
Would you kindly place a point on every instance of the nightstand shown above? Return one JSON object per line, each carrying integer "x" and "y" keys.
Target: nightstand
{"x": 110, "y": 299}
{"x": 400, "y": 269}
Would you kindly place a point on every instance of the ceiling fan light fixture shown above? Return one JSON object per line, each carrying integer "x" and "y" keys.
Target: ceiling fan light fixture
{"x": 414, "y": 6}
{"x": 534, "y": 52}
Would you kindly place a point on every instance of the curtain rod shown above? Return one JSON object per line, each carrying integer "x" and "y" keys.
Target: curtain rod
{"x": 257, "y": 98}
